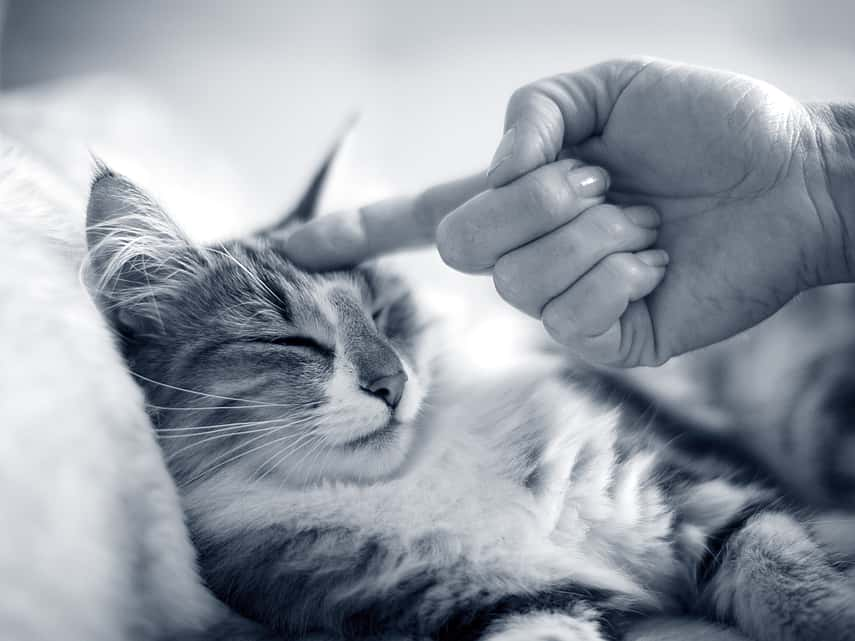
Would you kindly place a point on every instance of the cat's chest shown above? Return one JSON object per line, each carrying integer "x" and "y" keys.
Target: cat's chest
{"x": 459, "y": 495}
{"x": 468, "y": 503}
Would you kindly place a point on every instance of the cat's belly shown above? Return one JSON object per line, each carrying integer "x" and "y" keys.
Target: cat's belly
{"x": 527, "y": 502}
{"x": 424, "y": 550}
{"x": 492, "y": 509}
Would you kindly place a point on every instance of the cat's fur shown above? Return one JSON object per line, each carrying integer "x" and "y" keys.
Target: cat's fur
{"x": 514, "y": 507}
{"x": 784, "y": 390}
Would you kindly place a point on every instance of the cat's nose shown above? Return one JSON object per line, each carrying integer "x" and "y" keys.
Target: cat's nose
{"x": 389, "y": 388}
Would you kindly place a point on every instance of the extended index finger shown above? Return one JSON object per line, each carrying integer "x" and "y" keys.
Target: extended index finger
{"x": 345, "y": 238}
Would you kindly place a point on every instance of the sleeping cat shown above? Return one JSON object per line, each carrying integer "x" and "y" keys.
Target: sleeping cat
{"x": 343, "y": 475}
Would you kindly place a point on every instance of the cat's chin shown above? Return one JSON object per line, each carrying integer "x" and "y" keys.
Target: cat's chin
{"x": 377, "y": 456}
{"x": 375, "y": 438}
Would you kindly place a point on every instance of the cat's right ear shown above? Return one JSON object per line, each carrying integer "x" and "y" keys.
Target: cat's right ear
{"x": 136, "y": 252}
{"x": 307, "y": 205}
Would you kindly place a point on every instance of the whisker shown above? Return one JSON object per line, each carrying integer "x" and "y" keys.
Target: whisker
{"x": 241, "y": 455}
{"x": 232, "y": 432}
{"x": 316, "y": 459}
{"x": 225, "y": 432}
{"x": 281, "y": 455}
{"x": 205, "y": 394}
{"x": 229, "y": 407}
{"x": 320, "y": 442}
{"x": 207, "y": 428}
{"x": 208, "y": 439}
{"x": 236, "y": 448}
{"x": 210, "y": 428}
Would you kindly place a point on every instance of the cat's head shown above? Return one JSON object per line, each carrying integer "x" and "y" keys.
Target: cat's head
{"x": 251, "y": 366}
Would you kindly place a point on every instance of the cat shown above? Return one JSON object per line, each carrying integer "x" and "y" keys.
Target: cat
{"x": 343, "y": 474}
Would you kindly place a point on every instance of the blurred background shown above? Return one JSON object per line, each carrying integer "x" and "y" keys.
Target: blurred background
{"x": 266, "y": 84}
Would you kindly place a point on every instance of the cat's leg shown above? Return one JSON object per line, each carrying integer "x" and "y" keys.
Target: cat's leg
{"x": 230, "y": 626}
{"x": 681, "y": 629}
{"x": 778, "y": 584}
{"x": 579, "y": 625}
{"x": 835, "y": 532}
{"x": 550, "y": 626}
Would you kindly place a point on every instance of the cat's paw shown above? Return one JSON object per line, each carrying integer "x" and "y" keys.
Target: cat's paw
{"x": 778, "y": 584}
{"x": 545, "y": 626}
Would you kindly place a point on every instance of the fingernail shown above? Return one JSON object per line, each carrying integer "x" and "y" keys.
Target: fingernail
{"x": 644, "y": 216}
{"x": 589, "y": 182}
{"x": 654, "y": 257}
{"x": 504, "y": 151}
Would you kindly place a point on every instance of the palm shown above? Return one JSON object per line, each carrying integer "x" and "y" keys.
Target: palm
{"x": 715, "y": 155}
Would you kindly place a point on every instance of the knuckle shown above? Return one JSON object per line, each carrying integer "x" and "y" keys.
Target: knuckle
{"x": 521, "y": 95}
{"x": 620, "y": 266}
{"x": 632, "y": 269}
{"x": 623, "y": 69}
{"x": 612, "y": 222}
{"x": 573, "y": 242}
{"x": 533, "y": 108}
{"x": 544, "y": 195}
{"x": 558, "y": 323}
{"x": 448, "y": 244}
{"x": 505, "y": 278}
{"x": 552, "y": 325}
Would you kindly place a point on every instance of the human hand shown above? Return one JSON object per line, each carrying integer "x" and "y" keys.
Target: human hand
{"x": 731, "y": 164}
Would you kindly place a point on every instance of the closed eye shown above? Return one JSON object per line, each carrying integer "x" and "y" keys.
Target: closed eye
{"x": 301, "y": 341}
{"x": 380, "y": 315}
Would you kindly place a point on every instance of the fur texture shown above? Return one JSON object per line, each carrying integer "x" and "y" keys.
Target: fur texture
{"x": 94, "y": 546}
{"x": 521, "y": 506}
{"x": 783, "y": 391}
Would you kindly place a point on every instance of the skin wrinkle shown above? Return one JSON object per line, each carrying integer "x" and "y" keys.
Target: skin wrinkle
{"x": 844, "y": 121}
{"x": 546, "y": 125}
{"x": 841, "y": 220}
{"x": 597, "y": 106}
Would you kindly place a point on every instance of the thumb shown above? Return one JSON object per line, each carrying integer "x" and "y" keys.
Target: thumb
{"x": 544, "y": 117}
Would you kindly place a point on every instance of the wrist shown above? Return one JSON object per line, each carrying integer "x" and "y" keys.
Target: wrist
{"x": 834, "y": 190}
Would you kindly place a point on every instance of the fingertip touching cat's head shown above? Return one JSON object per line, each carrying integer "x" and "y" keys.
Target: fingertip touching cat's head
{"x": 250, "y": 365}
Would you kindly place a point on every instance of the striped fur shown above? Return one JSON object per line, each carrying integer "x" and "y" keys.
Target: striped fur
{"x": 521, "y": 505}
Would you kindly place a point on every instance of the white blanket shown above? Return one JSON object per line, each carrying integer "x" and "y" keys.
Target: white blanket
{"x": 92, "y": 542}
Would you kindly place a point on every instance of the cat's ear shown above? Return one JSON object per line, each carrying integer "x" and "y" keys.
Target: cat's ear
{"x": 307, "y": 206}
{"x": 136, "y": 252}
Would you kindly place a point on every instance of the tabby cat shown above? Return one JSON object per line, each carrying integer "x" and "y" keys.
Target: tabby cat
{"x": 342, "y": 474}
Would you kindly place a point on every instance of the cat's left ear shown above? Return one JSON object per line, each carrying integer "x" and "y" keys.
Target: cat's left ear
{"x": 307, "y": 206}
{"x": 136, "y": 252}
